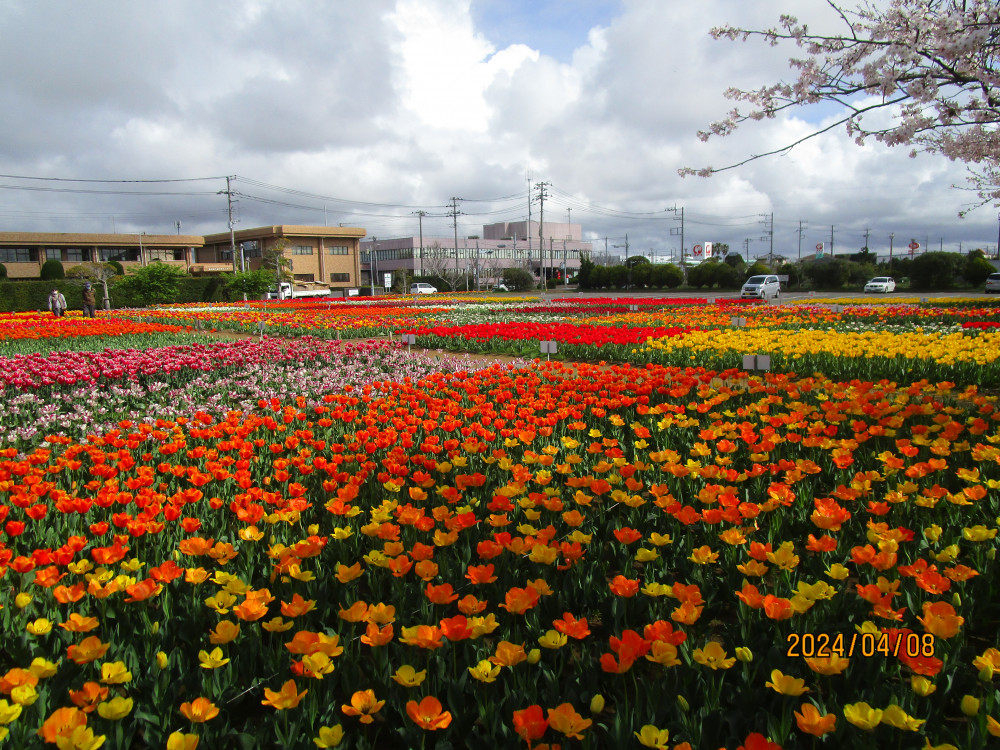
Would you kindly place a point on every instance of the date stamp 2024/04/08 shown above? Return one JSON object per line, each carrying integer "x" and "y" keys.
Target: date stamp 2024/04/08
{"x": 846, "y": 645}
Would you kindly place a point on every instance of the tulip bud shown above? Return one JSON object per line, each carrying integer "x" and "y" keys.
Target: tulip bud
{"x": 970, "y": 705}
{"x": 922, "y": 686}
{"x": 156, "y": 628}
{"x": 597, "y": 704}
{"x": 991, "y": 553}
{"x": 534, "y": 655}
{"x": 313, "y": 529}
{"x": 956, "y": 599}
{"x": 22, "y": 600}
{"x": 986, "y": 673}
{"x": 682, "y": 702}
{"x": 744, "y": 654}
{"x": 161, "y": 660}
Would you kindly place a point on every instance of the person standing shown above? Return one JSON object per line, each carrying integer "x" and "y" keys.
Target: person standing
{"x": 89, "y": 301}
{"x": 57, "y": 303}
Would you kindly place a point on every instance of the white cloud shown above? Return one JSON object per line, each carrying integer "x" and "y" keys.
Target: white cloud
{"x": 406, "y": 103}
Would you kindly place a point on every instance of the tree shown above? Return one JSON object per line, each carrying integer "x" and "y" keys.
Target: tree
{"x": 52, "y": 270}
{"x": 3, "y": 271}
{"x": 931, "y": 64}
{"x": 248, "y": 284}
{"x": 667, "y": 275}
{"x": 518, "y": 280}
{"x": 96, "y": 273}
{"x": 274, "y": 260}
{"x": 583, "y": 277}
{"x": 759, "y": 268}
{"x": 935, "y": 270}
{"x": 828, "y": 274}
{"x": 977, "y": 268}
{"x": 154, "y": 284}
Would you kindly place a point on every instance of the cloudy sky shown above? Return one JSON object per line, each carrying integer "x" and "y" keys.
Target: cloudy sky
{"x": 363, "y": 113}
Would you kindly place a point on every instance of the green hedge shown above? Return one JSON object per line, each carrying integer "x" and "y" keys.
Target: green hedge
{"x": 25, "y": 296}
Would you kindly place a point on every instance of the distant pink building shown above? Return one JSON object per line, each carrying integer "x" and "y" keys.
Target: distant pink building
{"x": 502, "y": 245}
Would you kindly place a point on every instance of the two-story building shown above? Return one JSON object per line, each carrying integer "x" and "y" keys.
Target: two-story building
{"x": 328, "y": 255}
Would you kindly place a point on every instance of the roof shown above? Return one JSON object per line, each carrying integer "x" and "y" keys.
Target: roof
{"x": 69, "y": 239}
{"x": 288, "y": 230}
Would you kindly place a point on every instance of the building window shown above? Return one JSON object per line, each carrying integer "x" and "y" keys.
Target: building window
{"x": 119, "y": 254}
{"x": 165, "y": 253}
{"x": 53, "y": 253}
{"x": 74, "y": 254}
{"x": 251, "y": 249}
{"x": 17, "y": 255}
{"x": 304, "y": 277}
{"x": 342, "y": 277}
{"x": 302, "y": 250}
{"x": 226, "y": 253}
{"x": 339, "y": 250}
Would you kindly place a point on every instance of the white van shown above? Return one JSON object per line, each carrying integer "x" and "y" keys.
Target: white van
{"x": 422, "y": 289}
{"x": 761, "y": 287}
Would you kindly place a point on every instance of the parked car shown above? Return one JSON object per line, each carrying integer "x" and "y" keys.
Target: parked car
{"x": 884, "y": 284}
{"x": 761, "y": 287}
{"x": 993, "y": 283}
{"x": 422, "y": 289}
{"x": 501, "y": 287}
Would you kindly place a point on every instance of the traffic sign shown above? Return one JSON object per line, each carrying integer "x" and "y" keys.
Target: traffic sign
{"x": 914, "y": 245}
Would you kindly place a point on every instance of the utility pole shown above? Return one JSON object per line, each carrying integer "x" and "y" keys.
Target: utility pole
{"x": 831, "y": 240}
{"x": 232, "y": 234}
{"x": 569, "y": 221}
{"x": 541, "y": 229}
{"x": 769, "y": 235}
{"x": 454, "y": 224}
{"x": 628, "y": 268}
{"x": 867, "y": 232}
{"x": 527, "y": 229}
{"x": 891, "y": 236}
{"x": 372, "y": 264}
{"x": 419, "y": 265}
{"x": 680, "y": 217}
{"x": 800, "y": 238}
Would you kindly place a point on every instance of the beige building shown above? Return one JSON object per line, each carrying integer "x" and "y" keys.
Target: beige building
{"x": 24, "y": 253}
{"x": 327, "y": 255}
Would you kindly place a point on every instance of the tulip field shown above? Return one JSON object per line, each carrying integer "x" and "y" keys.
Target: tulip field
{"x": 276, "y": 525}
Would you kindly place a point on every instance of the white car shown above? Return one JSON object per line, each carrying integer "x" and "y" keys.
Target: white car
{"x": 884, "y": 284}
{"x": 761, "y": 287}
{"x": 422, "y": 289}
{"x": 993, "y": 283}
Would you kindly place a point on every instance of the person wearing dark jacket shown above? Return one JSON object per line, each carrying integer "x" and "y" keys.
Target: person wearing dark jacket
{"x": 89, "y": 301}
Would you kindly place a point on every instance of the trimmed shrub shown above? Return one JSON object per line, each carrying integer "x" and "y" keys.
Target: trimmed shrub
{"x": 52, "y": 270}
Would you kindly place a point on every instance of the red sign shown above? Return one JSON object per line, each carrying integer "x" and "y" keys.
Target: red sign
{"x": 914, "y": 244}
{"x": 696, "y": 250}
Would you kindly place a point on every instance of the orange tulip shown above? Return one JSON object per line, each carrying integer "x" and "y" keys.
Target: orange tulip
{"x": 565, "y": 719}
{"x": 530, "y": 723}
{"x": 287, "y": 697}
{"x": 363, "y": 705}
{"x": 199, "y": 710}
{"x": 517, "y": 601}
{"x": 62, "y": 723}
{"x": 810, "y": 721}
{"x": 428, "y": 714}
